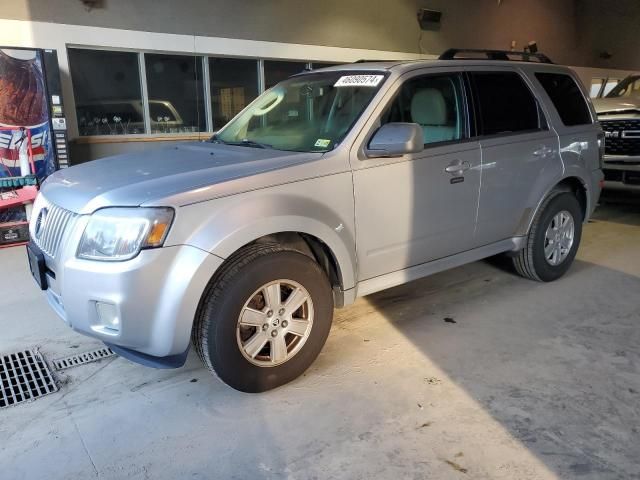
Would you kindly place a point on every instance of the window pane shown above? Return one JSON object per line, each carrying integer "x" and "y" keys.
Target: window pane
{"x": 611, "y": 83}
{"x": 505, "y": 103}
{"x": 234, "y": 84}
{"x": 596, "y": 85}
{"x": 566, "y": 97}
{"x": 176, "y": 93}
{"x": 106, "y": 87}
{"x": 276, "y": 71}
{"x": 434, "y": 103}
{"x": 628, "y": 87}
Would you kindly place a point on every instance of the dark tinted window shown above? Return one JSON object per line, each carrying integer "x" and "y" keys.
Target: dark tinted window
{"x": 176, "y": 93}
{"x": 566, "y": 97}
{"x": 276, "y": 71}
{"x": 106, "y": 86}
{"x": 234, "y": 83}
{"x": 504, "y": 103}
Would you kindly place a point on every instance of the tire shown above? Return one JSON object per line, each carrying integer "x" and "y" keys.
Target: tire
{"x": 226, "y": 342}
{"x": 531, "y": 262}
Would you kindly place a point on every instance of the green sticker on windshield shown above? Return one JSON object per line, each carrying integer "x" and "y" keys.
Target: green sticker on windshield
{"x": 322, "y": 143}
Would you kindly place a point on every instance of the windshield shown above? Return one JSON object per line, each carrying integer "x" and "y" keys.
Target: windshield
{"x": 308, "y": 113}
{"x": 629, "y": 87}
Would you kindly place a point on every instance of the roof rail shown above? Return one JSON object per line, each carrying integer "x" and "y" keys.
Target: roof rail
{"x": 505, "y": 55}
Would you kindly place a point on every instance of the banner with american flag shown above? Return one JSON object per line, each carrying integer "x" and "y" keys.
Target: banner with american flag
{"x": 11, "y": 140}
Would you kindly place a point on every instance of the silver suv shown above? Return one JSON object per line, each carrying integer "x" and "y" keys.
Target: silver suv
{"x": 619, "y": 115}
{"x": 332, "y": 185}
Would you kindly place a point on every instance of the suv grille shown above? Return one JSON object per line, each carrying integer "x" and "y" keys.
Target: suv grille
{"x": 622, "y": 137}
{"x": 48, "y": 225}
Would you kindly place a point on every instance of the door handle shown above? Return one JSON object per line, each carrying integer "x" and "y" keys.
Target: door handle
{"x": 457, "y": 167}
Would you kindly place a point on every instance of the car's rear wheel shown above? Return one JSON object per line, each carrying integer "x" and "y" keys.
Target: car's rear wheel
{"x": 553, "y": 240}
{"x": 264, "y": 318}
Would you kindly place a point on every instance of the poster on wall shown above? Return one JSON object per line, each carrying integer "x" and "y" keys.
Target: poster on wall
{"x": 24, "y": 110}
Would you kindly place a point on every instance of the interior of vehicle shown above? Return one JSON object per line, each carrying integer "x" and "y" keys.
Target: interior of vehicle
{"x": 309, "y": 113}
{"x": 433, "y": 102}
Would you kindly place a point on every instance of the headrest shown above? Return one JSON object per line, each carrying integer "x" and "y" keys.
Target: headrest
{"x": 428, "y": 107}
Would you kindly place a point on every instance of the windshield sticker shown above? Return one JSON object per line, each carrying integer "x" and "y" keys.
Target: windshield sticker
{"x": 322, "y": 143}
{"x": 359, "y": 81}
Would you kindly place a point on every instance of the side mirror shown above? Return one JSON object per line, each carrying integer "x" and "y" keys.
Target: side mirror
{"x": 396, "y": 139}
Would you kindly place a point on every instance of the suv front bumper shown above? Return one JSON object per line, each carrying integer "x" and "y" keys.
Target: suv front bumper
{"x": 621, "y": 172}
{"x": 155, "y": 297}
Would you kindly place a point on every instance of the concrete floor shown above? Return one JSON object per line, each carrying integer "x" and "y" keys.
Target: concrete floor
{"x": 532, "y": 381}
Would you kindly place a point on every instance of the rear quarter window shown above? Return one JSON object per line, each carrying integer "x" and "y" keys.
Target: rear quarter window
{"x": 566, "y": 97}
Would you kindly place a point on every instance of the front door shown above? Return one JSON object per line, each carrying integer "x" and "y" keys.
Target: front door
{"x": 419, "y": 207}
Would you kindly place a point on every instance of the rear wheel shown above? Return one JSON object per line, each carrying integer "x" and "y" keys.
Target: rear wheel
{"x": 265, "y": 318}
{"x": 553, "y": 240}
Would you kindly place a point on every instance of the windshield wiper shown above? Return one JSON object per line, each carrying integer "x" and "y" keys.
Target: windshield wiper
{"x": 250, "y": 143}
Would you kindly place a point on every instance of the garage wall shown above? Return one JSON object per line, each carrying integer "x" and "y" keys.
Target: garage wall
{"x": 369, "y": 24}
{"x": 569, "y": 31}
{"x": 612, "y": 27}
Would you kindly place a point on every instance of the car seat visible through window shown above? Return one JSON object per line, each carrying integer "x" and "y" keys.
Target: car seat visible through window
{"x": 429, "y": 110}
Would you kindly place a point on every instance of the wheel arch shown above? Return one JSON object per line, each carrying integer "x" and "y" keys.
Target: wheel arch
{"x": 574, "y": 184}
{"x": 314, "y": 248}
{"x": 318, "y": 241}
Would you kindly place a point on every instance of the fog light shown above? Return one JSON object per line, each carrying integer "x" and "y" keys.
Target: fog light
{"x": 108, "y": 319}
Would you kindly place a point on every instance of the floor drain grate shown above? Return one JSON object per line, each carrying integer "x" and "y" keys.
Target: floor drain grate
{"x": 83, "y": 358}
{"x": 24, "y": 376}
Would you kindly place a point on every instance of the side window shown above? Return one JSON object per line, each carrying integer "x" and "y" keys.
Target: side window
{"x": 610, "y": 85}
{"x": 566, "y": 97}
{"x": 596, "y": 86}
{"x": 504, "y": 103}
{"x": 435, "y": 103}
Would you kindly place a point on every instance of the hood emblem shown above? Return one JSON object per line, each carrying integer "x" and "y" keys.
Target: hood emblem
{"x": 40, "y": 221}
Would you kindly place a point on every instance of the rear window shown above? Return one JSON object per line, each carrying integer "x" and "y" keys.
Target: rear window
{"x": 504, "y": 103}
{"x": 566, "y": 97}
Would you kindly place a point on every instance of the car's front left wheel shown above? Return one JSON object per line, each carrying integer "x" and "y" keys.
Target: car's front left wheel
{"x": 265, "y": 317}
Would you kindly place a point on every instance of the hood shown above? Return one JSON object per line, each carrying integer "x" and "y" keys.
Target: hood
{"x": 617, "y": 105}
{"x": 137, "y": 178}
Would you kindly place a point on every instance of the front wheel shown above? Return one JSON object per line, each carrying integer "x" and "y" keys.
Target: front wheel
{"x": 265, "y": 318}
{"x": 553, "y": 240}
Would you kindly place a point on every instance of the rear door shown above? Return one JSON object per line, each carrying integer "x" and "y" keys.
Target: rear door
{"x": 517, "y": 147}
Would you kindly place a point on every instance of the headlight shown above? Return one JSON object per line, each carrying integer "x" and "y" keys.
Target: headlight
{"x": 117, "y": 234}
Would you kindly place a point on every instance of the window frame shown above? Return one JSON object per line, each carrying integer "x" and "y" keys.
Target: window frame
{"x": 209, "y": 87}
{"x": 465, "y": 105}
{"x": 142, "y": 85}
{"x": 584, "y": 97}
{"x": 206, "y": 80}
{"x": 543, "y": 122}
{"x": 200, "y": 96}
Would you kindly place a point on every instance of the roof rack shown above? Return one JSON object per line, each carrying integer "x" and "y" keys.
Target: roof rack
{"x": 504, "y": 55}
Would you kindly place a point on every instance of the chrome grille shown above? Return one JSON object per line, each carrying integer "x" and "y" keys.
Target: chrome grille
{"x": 622, "y": 136}
{"x": 48, "y": 225}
